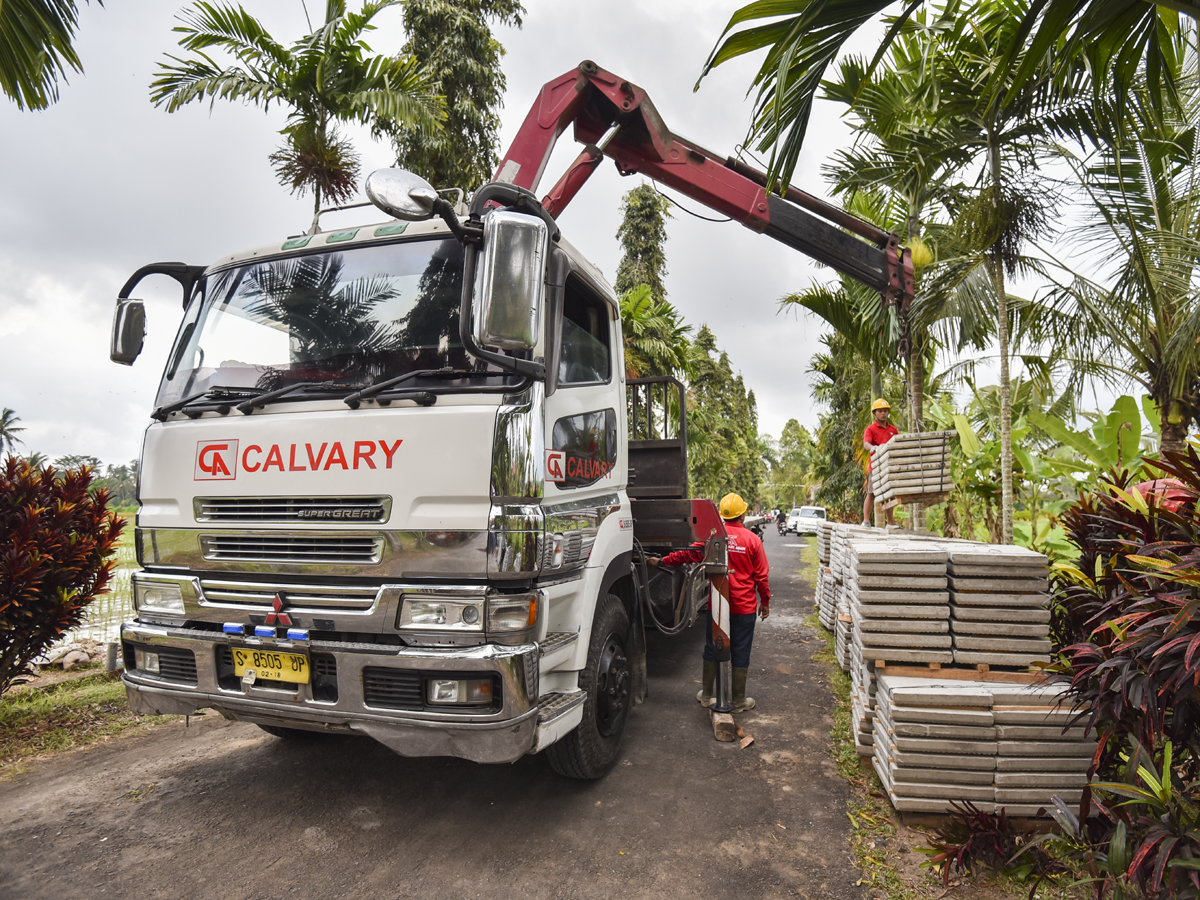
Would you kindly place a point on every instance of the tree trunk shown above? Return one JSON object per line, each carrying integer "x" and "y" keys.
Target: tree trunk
{"x": 916, "y": 388}
{"x": 876, "y": 382}
{"x": 1006, "y": 454}
{"x": 1174, "y": 435}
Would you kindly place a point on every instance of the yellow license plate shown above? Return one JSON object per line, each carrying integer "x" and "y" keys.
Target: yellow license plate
{"x": 270, "y": 665}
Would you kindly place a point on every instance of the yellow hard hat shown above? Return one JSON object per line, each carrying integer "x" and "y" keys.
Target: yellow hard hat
{"x": 880, "y": 404}
{"x": 732, "y": 506}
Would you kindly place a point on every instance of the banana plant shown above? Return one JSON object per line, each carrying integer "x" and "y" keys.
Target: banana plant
{"x": 1117, "y": 440}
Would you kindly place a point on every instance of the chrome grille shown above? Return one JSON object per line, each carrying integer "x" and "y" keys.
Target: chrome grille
{"x": 292, "y": 509}
{"x": 293, "y": 548}
{"x": 294, "y": 595}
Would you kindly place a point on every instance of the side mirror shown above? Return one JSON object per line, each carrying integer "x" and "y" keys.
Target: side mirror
{"x": 512, "y": 278}
{"x": 128, "y": 332}
{"x": 401, "y": 194}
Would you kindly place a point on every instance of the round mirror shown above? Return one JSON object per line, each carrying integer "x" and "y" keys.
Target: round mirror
{"x": 401, "y": 194}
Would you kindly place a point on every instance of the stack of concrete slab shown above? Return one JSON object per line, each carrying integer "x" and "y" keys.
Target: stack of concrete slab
{"x": 824, "y": 533}
{"x": 999, "y": 605}
{"x": 841, "y": 635}
{"x": 898, "y": 600}
{"x": 995, "y": 744}
{"x": 913, "y": 467}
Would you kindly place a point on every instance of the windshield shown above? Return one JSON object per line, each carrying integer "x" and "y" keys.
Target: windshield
{"x": 342, "y": 317}
{"x": 809, "y": 513}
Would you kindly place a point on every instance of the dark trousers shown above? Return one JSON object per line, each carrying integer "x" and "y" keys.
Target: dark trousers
{"x": 741, "y": 637}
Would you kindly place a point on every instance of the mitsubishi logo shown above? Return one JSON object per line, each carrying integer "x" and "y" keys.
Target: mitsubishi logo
{"x": 279, "y": 617}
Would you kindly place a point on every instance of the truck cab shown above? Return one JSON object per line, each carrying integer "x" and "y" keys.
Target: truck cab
{"x": 360, "y": 513}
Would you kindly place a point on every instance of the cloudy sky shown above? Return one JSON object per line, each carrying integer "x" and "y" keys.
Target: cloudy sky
{"x": 103, "y": 183}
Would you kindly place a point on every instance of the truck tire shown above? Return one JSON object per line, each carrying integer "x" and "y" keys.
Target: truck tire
{"x": 590, "y": 750}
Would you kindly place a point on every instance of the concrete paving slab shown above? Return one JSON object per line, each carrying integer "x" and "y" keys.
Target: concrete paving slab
{"x": 998, "y": 585}
{"x": 1027, "y": 695}
{"x": 1042, "y": 763}
{"x": 904, "y": 626}
{"x": 934, "y": 790}
{"x": 989, "y": 571}
{"x": 908, "y": 691}
{"x": 1040, "y": 733}
{"x": 950, "y": 776}
{"x": 957, "y": 732}
{"x": 900, "y": 568}
{"x": 983, "y": 657}
{"x": 1057, "y": 749}
{"x": 941, "y": 715}
{"x": 1040, "y": 779}
{"x": 976, "y": 554}
{"x": 1038, "y": 716}
{"x": 944, "y": 745}
{"x": 904, "y": 583}
{"x": 951, "y": 761}
{"x": 999, "y": 613}
{"x": 938, "y": 598}
{"x": 910, "y": 804}
{"x": 1002, "y": 644}
{"x": 1038, "y": 795}
{"x": 889, "y": 549}
{"x": 908, "y": 655}
{"x": 916, "y": 641}
{"x": 1009, "y": 629}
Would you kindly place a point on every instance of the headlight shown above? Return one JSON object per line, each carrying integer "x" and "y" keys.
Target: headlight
{"x": 429, "y": 614}
{"x": 158, "y": 596}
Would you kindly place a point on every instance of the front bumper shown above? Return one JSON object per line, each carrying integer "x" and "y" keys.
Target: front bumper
{"x": 502, "y": 733}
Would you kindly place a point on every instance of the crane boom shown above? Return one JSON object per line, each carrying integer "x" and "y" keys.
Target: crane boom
{"x": 615, "y": 118}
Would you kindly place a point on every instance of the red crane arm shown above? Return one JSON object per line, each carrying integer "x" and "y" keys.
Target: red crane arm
{"x": 615, "y": 118}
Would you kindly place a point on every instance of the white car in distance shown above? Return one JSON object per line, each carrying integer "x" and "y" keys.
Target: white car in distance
{"x": 804, "y": 519}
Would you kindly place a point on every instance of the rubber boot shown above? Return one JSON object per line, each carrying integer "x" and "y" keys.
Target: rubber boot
{"x": 741, "y": 702}
{"x": 705, "y": 694}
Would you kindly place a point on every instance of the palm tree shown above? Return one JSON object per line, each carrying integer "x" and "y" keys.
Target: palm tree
{"x": 9, "y": 430}
{"x": 656, "y": 338}
{"x": 324, "y": 78}
{"x": 1141, "y": 315}
{"x": 35, "y": 49}
{"x": 803, "y": 37}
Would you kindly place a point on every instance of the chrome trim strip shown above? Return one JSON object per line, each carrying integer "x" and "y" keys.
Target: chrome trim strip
{"x": 519, "y": 446}
{"x": 515, "y": 537}
{"x": 402, "y": 554}
{"x": 375, "y": 509}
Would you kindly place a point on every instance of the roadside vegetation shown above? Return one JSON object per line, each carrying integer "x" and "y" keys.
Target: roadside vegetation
{"x": 81, "y": 708}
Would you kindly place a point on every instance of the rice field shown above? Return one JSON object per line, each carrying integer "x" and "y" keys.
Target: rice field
{"x": 106, "y": 613}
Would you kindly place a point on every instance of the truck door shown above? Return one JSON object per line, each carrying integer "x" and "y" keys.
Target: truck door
{"x": 585, "y": 420}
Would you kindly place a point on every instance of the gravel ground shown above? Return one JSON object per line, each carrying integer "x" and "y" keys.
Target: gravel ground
{"x": 220, "y": 809}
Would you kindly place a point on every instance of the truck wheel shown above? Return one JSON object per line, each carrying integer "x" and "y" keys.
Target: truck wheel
{"x": 590, "y": 750}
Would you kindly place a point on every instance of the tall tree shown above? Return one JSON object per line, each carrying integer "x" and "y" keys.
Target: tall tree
{"x": 803, "y": 37}
{"x": 643, "y": 237}
{"x": 1140, "y": 315}
{"x": 325, "y": 78}
{"x": 36, "y": 49}
{"x": 9, "y": 429}
{"x": 453, "y": 41}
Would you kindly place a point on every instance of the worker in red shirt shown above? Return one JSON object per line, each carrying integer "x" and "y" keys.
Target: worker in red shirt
{"x": 877, "y": 433}
{"x": 748, "y": 576}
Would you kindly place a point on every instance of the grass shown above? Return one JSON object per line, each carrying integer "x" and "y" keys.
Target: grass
{"x": 35, "y": 721}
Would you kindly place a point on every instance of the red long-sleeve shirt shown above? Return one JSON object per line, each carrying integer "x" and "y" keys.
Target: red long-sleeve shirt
{"x": 748, "y": 568}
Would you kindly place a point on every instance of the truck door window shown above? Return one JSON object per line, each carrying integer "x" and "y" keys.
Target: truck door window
{"x": 588, "y": 443}
{"x": 586, "y": 356}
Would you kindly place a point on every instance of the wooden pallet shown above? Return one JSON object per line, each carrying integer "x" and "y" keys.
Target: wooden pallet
{"x": 976, "y": 673}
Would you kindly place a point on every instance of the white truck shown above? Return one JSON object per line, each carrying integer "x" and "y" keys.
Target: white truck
{"x": 395, "y": 474}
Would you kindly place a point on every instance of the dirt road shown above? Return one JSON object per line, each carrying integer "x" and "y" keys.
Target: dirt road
{"x": 222, "y": 810}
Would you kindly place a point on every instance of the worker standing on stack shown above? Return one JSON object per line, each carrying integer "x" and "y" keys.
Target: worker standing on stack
{"x": 749, "y": 594}
{"x": 879, "y": 432}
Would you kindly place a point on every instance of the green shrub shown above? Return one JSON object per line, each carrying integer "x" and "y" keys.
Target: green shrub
{"x": 56, "y": 541}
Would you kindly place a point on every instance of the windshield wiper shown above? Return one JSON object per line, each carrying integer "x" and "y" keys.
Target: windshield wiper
{"x": 354, "y": 400}
{"x": 217, "y": 393}
{"x": 258, "y": 401}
